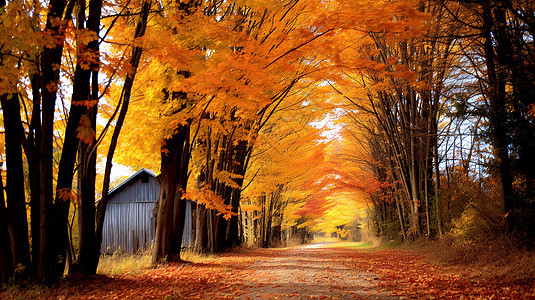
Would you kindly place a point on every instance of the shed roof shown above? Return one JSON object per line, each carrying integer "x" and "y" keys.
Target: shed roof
{"x": 124, "y": 183}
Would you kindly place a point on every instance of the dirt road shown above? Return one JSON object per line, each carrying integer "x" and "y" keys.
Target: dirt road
{"x": 310, "y": 272}
{"x": 322, "y": 271}
{"x": 318, "y": 271}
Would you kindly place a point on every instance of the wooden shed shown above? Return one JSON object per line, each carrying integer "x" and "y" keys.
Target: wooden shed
{"x": 129, "y": 222}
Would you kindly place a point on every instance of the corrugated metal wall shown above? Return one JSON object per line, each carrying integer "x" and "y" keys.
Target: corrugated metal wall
{"x": 128, "y": 224}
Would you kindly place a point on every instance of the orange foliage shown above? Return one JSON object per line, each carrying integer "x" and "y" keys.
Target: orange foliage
{"x": 211, "y": 200}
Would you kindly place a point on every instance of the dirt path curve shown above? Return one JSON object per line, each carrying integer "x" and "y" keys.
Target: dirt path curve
{"x": 312, "y": 271}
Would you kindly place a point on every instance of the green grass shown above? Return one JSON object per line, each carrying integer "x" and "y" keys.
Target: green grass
{"x": 357, "y": 245}
{"x": 338, "y": 243}
{"x": 350, "y": 245}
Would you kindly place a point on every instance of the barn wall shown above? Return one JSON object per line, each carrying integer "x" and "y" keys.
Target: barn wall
{"x": 187, "y": 236}
{"x": 128, "y": 224}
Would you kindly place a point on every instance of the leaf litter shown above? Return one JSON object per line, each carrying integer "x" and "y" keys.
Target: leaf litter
{"x": 293, "y": 273}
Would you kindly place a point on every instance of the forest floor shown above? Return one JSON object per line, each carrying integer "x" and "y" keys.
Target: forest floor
{"x": 318, "y": 271}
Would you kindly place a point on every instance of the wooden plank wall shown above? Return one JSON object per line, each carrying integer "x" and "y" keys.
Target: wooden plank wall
{"x": 187, "y": 236}
{"x": 129, "y": 224}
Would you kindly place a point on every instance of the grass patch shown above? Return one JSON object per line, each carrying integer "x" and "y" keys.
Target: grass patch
{"x": 358, "y": 245}
{"x": 121, "y": 264}
{"x": 16, "y": 292}
{"x": 194, "y": 257}
{"x": 350, "y": 245}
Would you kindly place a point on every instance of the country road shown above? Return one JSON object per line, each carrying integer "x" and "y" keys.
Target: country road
{"x": 318, "y": 271}
{"x": 311, "y": 271}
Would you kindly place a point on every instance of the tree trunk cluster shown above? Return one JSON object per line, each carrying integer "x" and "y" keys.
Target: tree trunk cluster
{"x": 215, "y": 232}
{"x": 50, "y": 197}
{"x": 497, "y": 49}
{"x": 263, "y": 228}
{"x": 403, "y": 139}
{"x": 509, "y": 88}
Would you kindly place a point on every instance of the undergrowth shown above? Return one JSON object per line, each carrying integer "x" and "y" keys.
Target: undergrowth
{"x": 16, "y": 292}
{"x": 498, "y": 258}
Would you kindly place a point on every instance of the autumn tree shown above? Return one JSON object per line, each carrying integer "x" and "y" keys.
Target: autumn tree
{"x": 498, "y": 50}
{"x": 53, "y": 152}
{"x": 241, "y": 101}
{"x": 402, "y": 83}
{"x": 16, "y": 200}
{"x": 286, "y": 156}
{"x": 225, "y": 98}
{"x": 10, "y": 62}
{"x": 506, "y": 28}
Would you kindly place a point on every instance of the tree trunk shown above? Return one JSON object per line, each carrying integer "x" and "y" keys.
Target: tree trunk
{"x": 200, "y": 243}
{"x": 32, "y": 155}
{"x": 234, "y": 235}
{"x": 238, "y": 167}
{"x": 50, "y": 62}
{"x": 66, "y": 168}
{"x": 16, "y": 199}
{"x": 170, "y": 215}
{"x": 6, "y": 255}
{"x": 416, "y": 229}
{"x": 497, "y": 99}
{"x": 210, "y": 224}
{"x": 438, "y": 211}
{"x": 87, "y": 261}
{"x": 201, "y": 230}
{"x": 400, "y": 215}
{"x": 80, "y": 112}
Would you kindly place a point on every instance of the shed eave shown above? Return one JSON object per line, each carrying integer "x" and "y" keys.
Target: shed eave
{"x": 120, "y": 185}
